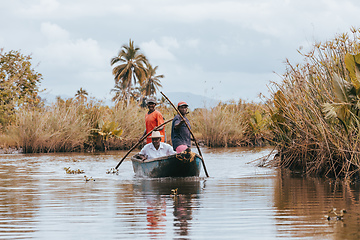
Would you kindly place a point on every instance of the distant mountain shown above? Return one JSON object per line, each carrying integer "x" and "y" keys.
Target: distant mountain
{"x": 51, "y": 98}
{"x": 194, "y": 101}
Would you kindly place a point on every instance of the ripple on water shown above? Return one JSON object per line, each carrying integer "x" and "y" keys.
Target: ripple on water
{"x": 238, "y": 200}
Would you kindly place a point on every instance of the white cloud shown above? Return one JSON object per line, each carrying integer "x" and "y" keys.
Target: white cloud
{"x": 54, "y": 33}
{"x": 40, "y": 8}
{"x": 217, "y": 84}
{"x": 70, "y": 9}
{"x": 191, "y": 41}
{"x": 281, "y": 18}
{"x": 61, "y": 50}
{"x": 169, "y": 42}
{"x": 154, "y": 51}
{"x": 223, "y": 49}
{"x": 69, "y": 63}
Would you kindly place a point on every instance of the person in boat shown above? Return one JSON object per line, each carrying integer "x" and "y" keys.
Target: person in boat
{"x": 156, "y": 148}
{"x": 180, "y": 134}
{"x": 153, "y": 118}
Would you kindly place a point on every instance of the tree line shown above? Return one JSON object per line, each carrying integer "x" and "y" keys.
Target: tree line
{"x": 135, "y": 79}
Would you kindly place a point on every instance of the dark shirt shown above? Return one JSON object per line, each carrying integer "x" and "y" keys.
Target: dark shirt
{"x": 182, "y": 135}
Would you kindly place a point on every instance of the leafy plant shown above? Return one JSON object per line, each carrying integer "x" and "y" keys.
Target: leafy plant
{"x": 19, "y": 84}
{"x": 108, "y": 130}
{"x": 352, "y": 63}
{"x": 259, "y": 126}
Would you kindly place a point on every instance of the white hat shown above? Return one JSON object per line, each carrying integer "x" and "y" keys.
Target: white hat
{"x": 156, "y": 134}
{"x": 150, "y": 100}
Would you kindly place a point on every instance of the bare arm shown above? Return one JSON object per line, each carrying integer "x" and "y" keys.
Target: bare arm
{"x": 143, "y": 157}
{"x": 177, "y": 125}
{"x": 160, "y": 120}
{"x": 143, "y": 134}
{"x": 159, "y": 128}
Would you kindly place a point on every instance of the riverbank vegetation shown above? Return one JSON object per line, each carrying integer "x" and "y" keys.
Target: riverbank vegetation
{"x": 70, "y": 125}
{"x": 73, "y": 125}
{"x": 315, "y": 111}
{"x": 232, "y": 124}
{"x": 83, "y": 124}
{"x": 312, "y": 117}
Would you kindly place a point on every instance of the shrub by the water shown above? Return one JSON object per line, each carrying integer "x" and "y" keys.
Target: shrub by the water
{"x": 53, "y": 129}
{"x": 315, "y": 112}
{"x": 232, "y": 124}
{"x": 72, "y": 126}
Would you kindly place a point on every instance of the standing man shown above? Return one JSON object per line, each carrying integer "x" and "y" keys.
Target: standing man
{"x": 156, "y": 148}
{"x": 180, "y": 134}
{"x": 153, "y": 118}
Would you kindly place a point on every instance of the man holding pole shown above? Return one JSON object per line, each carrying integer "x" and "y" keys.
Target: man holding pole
{"x": 156, "y": 148}
{"x": 153, "y": 118}
{"x": 180, "y": 133}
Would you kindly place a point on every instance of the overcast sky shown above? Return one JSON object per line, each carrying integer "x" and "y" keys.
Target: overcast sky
{"x": 220, "y": 49}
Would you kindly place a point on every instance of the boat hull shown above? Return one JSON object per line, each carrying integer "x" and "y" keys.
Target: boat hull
{"x": 169, "y": 166}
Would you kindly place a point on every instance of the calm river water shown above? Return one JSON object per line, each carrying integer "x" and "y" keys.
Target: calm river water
{"x": 39, "y": 200}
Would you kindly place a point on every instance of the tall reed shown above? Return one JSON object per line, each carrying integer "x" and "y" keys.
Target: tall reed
{"x": 56, "y": 128}
{"x": 231, "y": 124}
{"x": 72, "y": 126}
{"x": 307, "y": 139}
{"x": 131, "y": 119}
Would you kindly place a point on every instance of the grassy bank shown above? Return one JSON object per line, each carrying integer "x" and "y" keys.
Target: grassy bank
{"x": 70, "y": 125}
{"x": 232, "y": 124}
{"x": 74, "y": 126}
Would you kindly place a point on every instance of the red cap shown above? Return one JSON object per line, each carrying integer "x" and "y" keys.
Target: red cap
{"x": 182, "y": 103}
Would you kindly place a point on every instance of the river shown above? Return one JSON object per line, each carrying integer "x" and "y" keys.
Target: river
{"x": 39, "y": 200}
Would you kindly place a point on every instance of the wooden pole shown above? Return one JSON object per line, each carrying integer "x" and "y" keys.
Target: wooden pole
{"x": 142, "y": 139}
{"x": 187, "y": 125}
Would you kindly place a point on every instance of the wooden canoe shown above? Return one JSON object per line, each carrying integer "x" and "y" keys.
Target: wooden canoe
{"x": 176, "y": 165}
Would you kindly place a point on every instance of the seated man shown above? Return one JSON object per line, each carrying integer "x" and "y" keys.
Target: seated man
{"x": 156, "y": 148}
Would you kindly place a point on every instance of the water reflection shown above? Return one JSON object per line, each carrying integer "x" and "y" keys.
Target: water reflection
{"x": 179, "y": 194}
{"x": 156, "y": 216}
{"x": 18, "y": 199}
{"x": 302, "y": 203}
{"x": 240, "y": 201}
{"x": 182, "y": 214}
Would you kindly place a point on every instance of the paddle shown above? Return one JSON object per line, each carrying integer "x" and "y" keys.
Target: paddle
{"x": 207, "y": 175}
{"x": 142, "y": 139}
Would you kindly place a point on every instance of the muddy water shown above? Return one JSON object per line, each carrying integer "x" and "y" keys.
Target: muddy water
{"x": 39, "y": 200}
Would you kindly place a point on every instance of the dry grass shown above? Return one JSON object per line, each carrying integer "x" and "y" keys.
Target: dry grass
{"x": 131, "y": 119}
{"x": 229, "y": 125}
{"x": 307, "y": 138}
{"x": 56, "y": 128}
{"x": 71, "y": 126}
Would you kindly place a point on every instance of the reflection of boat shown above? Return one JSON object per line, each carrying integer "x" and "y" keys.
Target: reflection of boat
{"x": 177, "y": 165}
{"x": 157, "y": 193}
{"x": 163, "y": 187}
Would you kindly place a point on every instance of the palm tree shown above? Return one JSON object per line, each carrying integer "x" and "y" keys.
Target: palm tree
{"x": 81, "y": 95}
{"x": 122, "y": 94}
{"x": 130, "y": 68}
{"x": 152, "y": 83}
